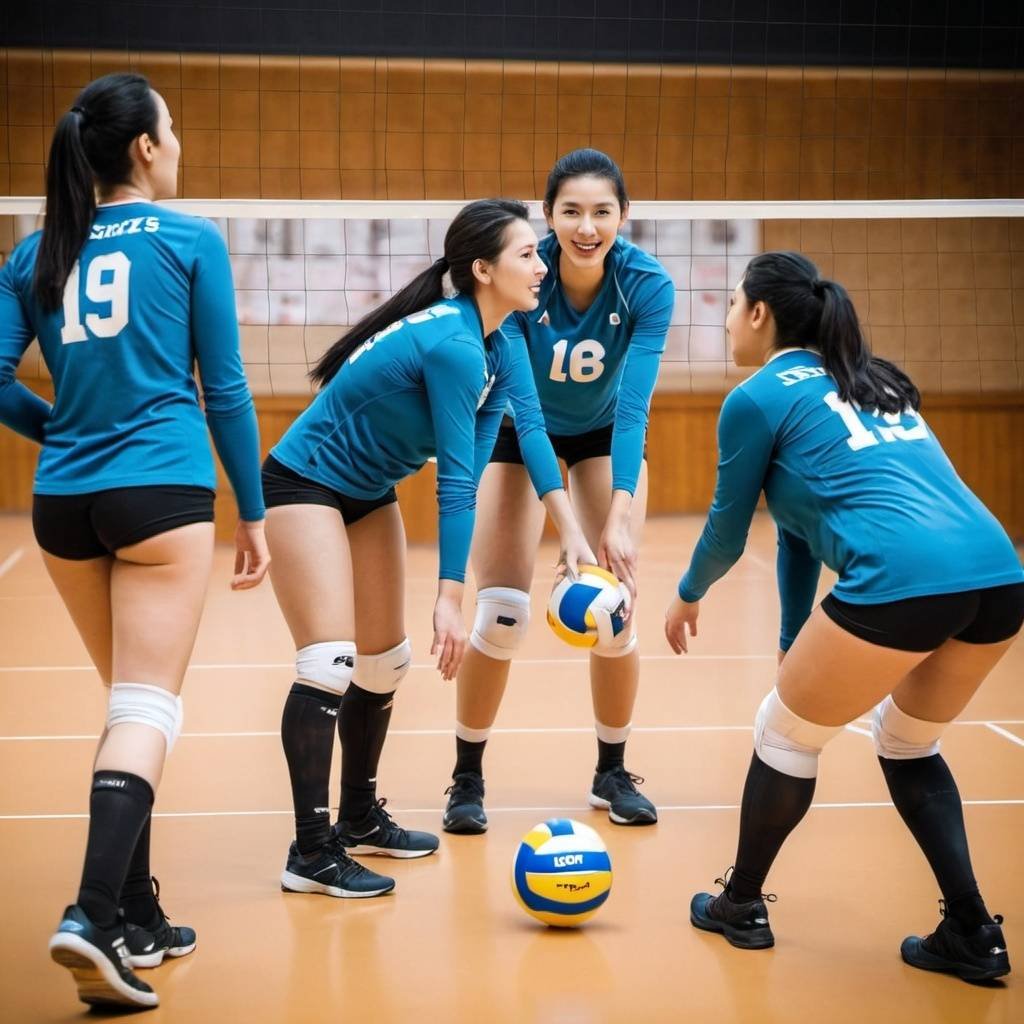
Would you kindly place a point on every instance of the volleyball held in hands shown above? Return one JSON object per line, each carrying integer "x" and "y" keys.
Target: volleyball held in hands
{"x": 589, "y": 610}
{"x": 561, "y": 873}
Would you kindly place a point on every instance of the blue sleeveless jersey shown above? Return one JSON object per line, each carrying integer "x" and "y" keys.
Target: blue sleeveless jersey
{"x": 600, "y": 366}
{"x": 150, "y": 296}
{"x": 428, "y": 385}
{"x": 873, "y": 497}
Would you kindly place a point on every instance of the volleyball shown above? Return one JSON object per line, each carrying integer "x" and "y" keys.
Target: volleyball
{"x": 590, "y": 609}
{"x": 561, "y": 873}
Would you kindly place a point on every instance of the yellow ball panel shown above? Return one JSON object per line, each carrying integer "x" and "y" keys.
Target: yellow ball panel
{"x": 536, "y": 838}
{"x": 571, "y": 638}
{"x": 569, "y": 888}
{"x": 596, "y": 570}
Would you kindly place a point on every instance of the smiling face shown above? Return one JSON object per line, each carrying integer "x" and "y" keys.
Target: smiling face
{"x": 513, "y": 279}
{"x": 586, "y": 218}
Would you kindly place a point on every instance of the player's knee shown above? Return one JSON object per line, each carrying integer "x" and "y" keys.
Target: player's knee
{"x": 381, "y": 673}
{"x": 900, "y": 737}
{"x": 328, "y": 665}
{"x": 786, "y": 742}
{"x": 619, "y": 646}
{"x": 502, "y": 616}
{"x": 143, "y": 704}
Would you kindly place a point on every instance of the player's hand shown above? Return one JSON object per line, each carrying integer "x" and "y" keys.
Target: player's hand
{"x": 680, "y": 617}
{"x": 252, "y": 556}
{"x": 617, "y": 553}
{"x": 449, "y": 636}
{"x": 575, "y": 552}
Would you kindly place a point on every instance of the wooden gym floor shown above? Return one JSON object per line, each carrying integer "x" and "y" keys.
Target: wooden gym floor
{"x": 450, "y": 944}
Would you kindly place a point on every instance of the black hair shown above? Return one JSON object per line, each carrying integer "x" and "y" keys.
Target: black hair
{"x": 810, "y": 310}
{"x": 90, "y": 148}
{"x": 584, "y": 163}
{"x": 477, "y": 233}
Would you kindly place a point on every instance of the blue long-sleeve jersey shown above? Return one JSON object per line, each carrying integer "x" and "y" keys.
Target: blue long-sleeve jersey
{"x": 150, "y": 296}
{"x": 874, "y": 497}
{"x": 599, "y": 367}
{"x": 428, "y": 385}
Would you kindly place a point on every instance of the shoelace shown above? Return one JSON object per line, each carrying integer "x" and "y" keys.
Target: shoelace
{"x": 467, "y": 787}
{"x": 766, "y": 897}
{"x": 625, "y": 780}
{"x": 156, "y": 899}
{"x": 386, "y": 821}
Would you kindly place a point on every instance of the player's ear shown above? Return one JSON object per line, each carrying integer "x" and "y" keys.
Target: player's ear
{"x": 547, "y": 215}
{"x": 482, "y": 271}
{"x": 759, "y": 315}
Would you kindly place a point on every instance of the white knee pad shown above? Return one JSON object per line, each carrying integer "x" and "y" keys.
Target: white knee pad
{"x": 900, "y": 737}
{"x": 328, "y": 665}
{"x": 786, "y": 742}
{"x": 502, "y": 615}
{"x": 143, "y": 704}
{"x": 625, "y": 643}
{"x": 381, "y": 673}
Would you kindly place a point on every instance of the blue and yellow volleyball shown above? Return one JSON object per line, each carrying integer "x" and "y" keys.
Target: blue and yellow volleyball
{"x": 590, "y": 609}
{"x": 561, "y": 873}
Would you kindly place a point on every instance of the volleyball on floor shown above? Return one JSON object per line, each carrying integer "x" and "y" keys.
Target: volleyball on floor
{"x": 590, "y": 609}
{"x": 561, "y": 873}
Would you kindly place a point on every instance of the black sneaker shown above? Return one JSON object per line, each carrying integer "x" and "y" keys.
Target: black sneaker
{"x": 98, "y": 960}
{"x": 465, "y": 811}
{"x": 378, "y": 833}
{"x": 167, "y": 939}
{"x": 980, "y": 956}
{"x": 745, "y": 925}
{"x": 615, "y": 791}
{"x": 332, "y": 872}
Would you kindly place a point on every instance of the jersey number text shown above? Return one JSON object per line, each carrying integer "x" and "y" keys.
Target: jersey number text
{"x": 862, "y": 436}
{"x": 112, "y": 289}
{"x": 585, "y": 362}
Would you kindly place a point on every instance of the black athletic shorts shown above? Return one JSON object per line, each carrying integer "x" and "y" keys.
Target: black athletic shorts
{"x": 924, "y": 623}
{"x": 570, "y": 448}
{"x": 283, "y": 486}
{"x": 81, "y": 526}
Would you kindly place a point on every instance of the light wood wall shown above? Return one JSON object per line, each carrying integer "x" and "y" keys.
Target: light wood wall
{"x": 982, "y": 434}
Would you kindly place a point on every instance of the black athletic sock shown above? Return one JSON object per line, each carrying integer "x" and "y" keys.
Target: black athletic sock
{"x": 773, "y": 805}
{"x": 469, "y": 757}
{"x": 925, "y": 794}
{"x": 137, "y": 899}
{"x": 119, "y": 805}
{"x": 307, "y": 735}
{"x": 362, "y": 727}
{"x": 610, "y": 755}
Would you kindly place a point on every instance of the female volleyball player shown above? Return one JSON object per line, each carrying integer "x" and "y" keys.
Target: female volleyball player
{"x": 422, "y": 375}
{"x": 929, "y": 595}
{"x": 125, "y": 297}
{"x": 595, "y": 342}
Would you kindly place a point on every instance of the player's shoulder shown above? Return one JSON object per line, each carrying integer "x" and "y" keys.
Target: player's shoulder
{"x": 785, "y": 379}
{"x": 22, "y": 260}
{"x": 452, "y": 323}
{"x": 635, "y": 264}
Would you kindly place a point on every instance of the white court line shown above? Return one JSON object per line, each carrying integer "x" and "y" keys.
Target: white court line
{"x": 520, "y": 730}
{"x": 857, "y": 805}
{"x": 1003, "y": 732}
{"x": 11, "y": 560}
{"x": 423, "y": 665}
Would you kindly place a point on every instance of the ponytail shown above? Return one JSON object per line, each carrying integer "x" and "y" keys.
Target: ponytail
{"x": 70, "y": 208}
{"x": 422, "y": 291}
{"x": 477, "y": 233}
{"x": 90, "y": 148}
{"x": 810, "y": 310}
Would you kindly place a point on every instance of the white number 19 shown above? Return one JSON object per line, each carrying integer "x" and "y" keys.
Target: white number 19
{"x": 114, "y": 291}
{"x": 861, "y": 437}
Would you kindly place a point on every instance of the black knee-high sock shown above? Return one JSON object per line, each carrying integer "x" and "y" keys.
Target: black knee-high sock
{"x": 119, "y": 806}
{"x": 469, "y": 756}
{"x": 925, "y": 794}
{"x": 307, "y": 735}
{"x": 773, "y": 805}
{"x": 137, "y": 900}
{"x": 362, "y": 727}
